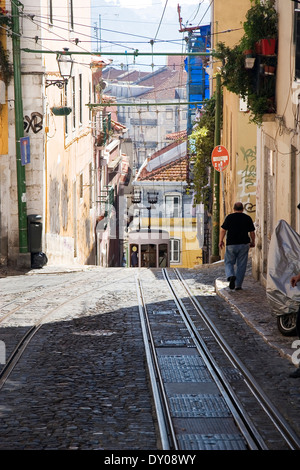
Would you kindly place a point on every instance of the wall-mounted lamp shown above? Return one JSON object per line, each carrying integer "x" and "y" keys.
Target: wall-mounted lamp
{"x": 152, "y": 197}
{"x": 136, "y": 197}
{"x": 65, "y": 66}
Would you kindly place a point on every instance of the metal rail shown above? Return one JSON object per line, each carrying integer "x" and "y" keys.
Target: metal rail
{"x": 27, "y": 337}
{"x": 244, "y": 423}
{"x": 250, "y": 433}
{"x": 167, "y": 433}
{"x": 278, "y": 420}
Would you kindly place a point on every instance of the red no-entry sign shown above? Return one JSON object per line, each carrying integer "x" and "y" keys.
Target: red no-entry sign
{"x": 220, "y": 158}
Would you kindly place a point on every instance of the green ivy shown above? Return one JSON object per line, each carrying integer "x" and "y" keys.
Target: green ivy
{"x": 261, "y": 22}
{"x": 201, "y": 145}
{"x": 5, "y": 18}
{"x": 6, "y": 68}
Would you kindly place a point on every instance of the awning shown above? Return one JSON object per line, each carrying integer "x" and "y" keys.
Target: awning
{"x": 124, "y": 168}
{"x": 114, "y": 163}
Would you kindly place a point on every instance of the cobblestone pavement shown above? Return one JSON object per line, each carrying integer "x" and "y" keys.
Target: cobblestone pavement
{"x": 82, "y": 383}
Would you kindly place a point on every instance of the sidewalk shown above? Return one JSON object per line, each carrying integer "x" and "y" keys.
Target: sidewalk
{"x": 252, "y": 304}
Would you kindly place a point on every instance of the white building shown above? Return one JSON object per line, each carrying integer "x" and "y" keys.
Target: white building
{"x": 60, "y": 175}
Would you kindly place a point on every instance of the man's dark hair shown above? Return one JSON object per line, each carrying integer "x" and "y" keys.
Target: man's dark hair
{"x": 238, "y": 206}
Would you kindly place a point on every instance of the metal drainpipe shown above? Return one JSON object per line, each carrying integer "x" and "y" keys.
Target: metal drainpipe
{"x": 19, "y": 129}
{"x": 216, "y": 193}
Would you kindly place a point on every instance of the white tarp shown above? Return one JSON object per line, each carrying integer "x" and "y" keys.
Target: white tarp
{"x": 283, "y": 263}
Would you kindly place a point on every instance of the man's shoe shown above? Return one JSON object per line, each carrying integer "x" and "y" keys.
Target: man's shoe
{"x": 238, "y": 288}
{"x": 231, "y": 280}
{"x": 295, "y": 374}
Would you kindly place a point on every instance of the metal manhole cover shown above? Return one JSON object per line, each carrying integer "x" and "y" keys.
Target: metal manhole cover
{"x": 206, "y": 405}
{"x": 211, "y": 442}
{"x": 183, "y": 368}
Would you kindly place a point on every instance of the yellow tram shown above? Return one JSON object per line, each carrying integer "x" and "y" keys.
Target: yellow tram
{"x": 148, "y": 248}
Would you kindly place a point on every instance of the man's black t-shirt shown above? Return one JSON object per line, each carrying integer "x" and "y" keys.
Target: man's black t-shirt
{"x": 238, "y": 225}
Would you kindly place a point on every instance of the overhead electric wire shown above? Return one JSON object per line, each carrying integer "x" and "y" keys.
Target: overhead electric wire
{"x": 206, "y": 12}
{"x": 43, "y": 25}
{"x": 90, "y": 38}
{"x": 161, "y": 20}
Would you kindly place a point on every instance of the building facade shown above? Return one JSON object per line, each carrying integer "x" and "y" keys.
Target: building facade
{"x": 278, "y": 158}
{"x": 4, "y": 161}
{"x": 238, "y": 134}
{"x": 265, "y": 169}
{"x": 58, "y": 176}
{"x": 149, "y": 105}
{"x": 166, "y": 203}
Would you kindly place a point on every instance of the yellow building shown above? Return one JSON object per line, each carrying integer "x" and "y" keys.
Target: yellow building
{"x": 264, "y": 172}
{"x": 165, "y": 175}
{"x": 4, "y": 159}
{"x": 238, "y": 134}
{"x": 278, "y": 143}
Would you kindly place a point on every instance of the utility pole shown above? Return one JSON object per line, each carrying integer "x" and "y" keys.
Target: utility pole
{"x": 19, "y": 127}
{"x": 216, "y": 184}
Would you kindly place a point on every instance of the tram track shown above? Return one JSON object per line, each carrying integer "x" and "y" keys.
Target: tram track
{"x": 50, "y": 304}
{"x": 266, "y": 404}
{"x": 71, "y": 381}
{"x": 249, "y": 434}
{"x": 35, "y": 293}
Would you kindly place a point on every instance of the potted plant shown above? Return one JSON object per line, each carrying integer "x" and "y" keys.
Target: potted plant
{"x": 61, "y": 110}
{"x": 258, "y": 106}
{"x": 269, "y": 69}
{"x": 253, "y": 82}
{"x": 234, "y": 75}
{"x": 261, "y": 26}
{"x": 249, "y": 62}
{"x": 249, "y": 54}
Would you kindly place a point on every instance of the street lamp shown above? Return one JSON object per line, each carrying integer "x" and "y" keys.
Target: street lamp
{"x": 136, "y": 197}
{"x": 152, "y": 199}
{"x": 65, "y": 66}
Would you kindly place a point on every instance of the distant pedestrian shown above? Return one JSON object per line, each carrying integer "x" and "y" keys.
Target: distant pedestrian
{"x": 294, "y": 281}
{"x": 240, "y": 236}
{"x": 134, "y": 257}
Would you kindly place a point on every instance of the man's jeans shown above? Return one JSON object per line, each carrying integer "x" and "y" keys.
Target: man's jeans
{"x": 236, "y": 254}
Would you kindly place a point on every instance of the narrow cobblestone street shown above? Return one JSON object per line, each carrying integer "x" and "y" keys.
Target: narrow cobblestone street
{"x": 82, "y": 382}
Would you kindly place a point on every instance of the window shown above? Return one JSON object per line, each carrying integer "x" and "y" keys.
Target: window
{"x": 50, "y": 12}
{"x": 80, "y": 98}
{"x": 295, "y": 189}
{"x": 174, "y": 250}
{"x": 91, "y": 184}
{"x": 169, "y": 114}
{"x": 66, "y": 117}
{"x": 148, "y": 256}
{"x": 71, "y": 15}
{"x": 81, "y": 186}
{"x": 90, "y": 100}
{"x": 73, "y": 102}
{"x": 297, "y": 39}
{"x": 172, "y": 205}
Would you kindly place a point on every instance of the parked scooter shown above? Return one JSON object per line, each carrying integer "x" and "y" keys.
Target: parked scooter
{"x": 283, "y": 263}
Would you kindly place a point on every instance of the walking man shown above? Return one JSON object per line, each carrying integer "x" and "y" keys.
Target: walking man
{"x": 237, "y": 227}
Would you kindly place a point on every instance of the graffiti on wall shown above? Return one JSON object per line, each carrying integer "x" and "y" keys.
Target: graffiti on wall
{"x": 33, "y": 122}
{"x": 247, "y": 178}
